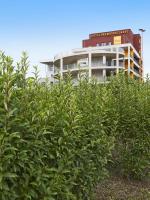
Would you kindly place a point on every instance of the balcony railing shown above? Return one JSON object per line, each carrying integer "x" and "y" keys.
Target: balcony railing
{"x": 94, "y": 65}
{"x": 70, "y": 66}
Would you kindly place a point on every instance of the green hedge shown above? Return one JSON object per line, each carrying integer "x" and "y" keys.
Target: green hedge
{"x": 53, "y": 142}
{"x": 56, "y": 141}
{"x": 132, "y": 152}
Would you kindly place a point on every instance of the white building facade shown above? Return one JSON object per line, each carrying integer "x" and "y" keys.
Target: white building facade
{"x": 98, "y": 62}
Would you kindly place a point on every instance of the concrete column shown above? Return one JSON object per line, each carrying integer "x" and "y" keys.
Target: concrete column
{"x": 53, "y": 73}
{"x": 46, "y": 70}
{"x": 49, "y": 71}
{"x": 90, "y": 64}
{"x": 61, "y": 67}
{"x": 117, "y": 61}
{"x": 104, "y": 70}
{"x": 104, "y": 74}
{"x": 104, "y": 60}
{"x": 128, "y": 59}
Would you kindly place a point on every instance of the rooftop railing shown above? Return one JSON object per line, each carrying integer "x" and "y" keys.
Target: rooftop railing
{"x": 101, "y": 49}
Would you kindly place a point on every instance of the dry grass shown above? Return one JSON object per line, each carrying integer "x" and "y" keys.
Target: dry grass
{"x": 122, "y": 189}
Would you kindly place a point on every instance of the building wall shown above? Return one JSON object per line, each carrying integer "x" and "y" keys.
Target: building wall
{"x": 137, "y": 42}
{"x": 110, "y": 38}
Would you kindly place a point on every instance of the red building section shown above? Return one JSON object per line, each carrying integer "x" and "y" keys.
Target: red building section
{"x": 113, "y": 38}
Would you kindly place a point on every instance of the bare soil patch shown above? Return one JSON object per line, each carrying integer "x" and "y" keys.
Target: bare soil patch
{"x": 122, "y": 189}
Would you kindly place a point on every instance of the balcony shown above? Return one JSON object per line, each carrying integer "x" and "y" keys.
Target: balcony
{"x": 136, "y": 61}
{"x": 136, "y": 71}
{"x": 95, "y": 65}
{"x": 73, "y": 67}
{"x": 56, "y": 70}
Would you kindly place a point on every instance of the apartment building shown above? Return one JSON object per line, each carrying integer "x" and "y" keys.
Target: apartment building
{"x": 101, "y": 56}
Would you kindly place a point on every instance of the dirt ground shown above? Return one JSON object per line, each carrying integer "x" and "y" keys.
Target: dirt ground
{"x": 121, "y": 189}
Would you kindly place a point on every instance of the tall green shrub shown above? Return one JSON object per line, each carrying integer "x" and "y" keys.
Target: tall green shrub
{"x": 54, "y": 143}
{"x": 132, "y": 151}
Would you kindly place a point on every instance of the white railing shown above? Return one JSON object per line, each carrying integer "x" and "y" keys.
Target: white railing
{"x": 98, "y": 65}
{"x": 70, "y": 66}
{"x": 101, "y": 49}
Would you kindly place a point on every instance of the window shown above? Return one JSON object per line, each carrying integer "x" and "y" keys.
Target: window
{"x": 103, "y": 44}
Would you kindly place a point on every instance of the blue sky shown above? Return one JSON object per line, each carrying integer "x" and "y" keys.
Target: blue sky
{"x": 44, "y": 28}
